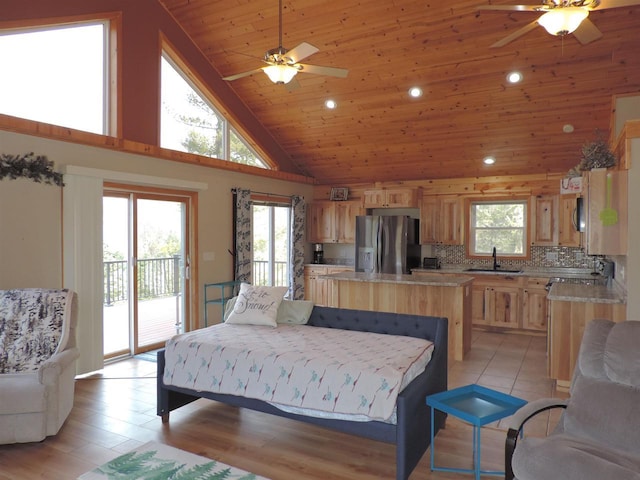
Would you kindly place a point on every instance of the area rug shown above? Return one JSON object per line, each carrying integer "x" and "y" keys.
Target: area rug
{"x": 162, "y": 462}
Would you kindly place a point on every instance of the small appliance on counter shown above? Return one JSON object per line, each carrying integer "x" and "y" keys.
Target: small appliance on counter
{"x": 318, "y": 253}
{"x": 431, "y": 263}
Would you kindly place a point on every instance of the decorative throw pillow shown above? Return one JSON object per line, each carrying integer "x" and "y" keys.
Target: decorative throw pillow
{"x": 294, "y": 312}
{"x": 256, "y": 305}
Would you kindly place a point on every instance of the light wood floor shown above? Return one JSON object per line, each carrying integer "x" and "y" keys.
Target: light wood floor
{"x": 115, "y": 411}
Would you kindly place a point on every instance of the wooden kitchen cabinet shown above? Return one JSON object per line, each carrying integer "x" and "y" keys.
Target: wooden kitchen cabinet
{"x": 391, "y": 198}
{"x": 606, "y": 203}
{"x": 345, "y": 220}
{"x": 534, "y": 304}
{"x": 544, "y": 220}
{"x": 316, "y": 288}
{"x": 496, "y": 301}
{"x": 567, "y": 323}
{"x": 441, "y": 220}
{"x": 332, "y": 222}
{"x": 568, "y": 234}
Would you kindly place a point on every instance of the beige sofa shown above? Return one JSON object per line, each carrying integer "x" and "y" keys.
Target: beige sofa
{"x": 37, "y": 362}
{"x": 598, "y": 435}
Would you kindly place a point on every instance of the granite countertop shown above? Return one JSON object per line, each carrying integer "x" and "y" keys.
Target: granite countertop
{"x": 432, "y": 280}
{"x": 571, "y": 292}
{"x": 544, "y": 272}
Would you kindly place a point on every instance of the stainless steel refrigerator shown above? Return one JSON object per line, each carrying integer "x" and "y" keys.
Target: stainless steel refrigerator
{"x": 387, "y": 244}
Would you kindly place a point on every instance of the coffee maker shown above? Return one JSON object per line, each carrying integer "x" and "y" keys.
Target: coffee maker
{"x": 318, "y": 253}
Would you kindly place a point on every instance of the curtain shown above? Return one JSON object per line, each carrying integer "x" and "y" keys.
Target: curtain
{"x": 296, "y": 242}
{"x": 243, "y": 235}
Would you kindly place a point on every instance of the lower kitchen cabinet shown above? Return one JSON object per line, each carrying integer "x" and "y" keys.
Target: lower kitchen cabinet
{"x": 496, "y": 301}
{"x": 317, "y": 289}
{"x": 535, "y": 311}
{"x": 567, "y": 324}
{"x": 506, "y": 302}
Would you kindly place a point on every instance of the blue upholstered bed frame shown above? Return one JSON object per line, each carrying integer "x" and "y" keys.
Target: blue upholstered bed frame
{"x": 411, "y": 434}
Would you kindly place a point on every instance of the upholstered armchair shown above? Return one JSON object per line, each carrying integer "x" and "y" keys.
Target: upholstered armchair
{"x": 598, "y": 434}
{"x": 37, "y": 362}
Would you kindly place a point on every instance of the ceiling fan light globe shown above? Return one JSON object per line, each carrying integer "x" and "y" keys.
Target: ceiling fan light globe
{"x": 280, "y": 73}
{"x": 563, "y": 20}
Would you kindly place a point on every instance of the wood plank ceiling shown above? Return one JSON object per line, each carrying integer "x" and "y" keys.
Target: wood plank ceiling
{"x": 468, "y": 110}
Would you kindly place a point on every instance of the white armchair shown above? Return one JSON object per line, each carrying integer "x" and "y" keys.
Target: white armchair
{"x": 38, "y": 354}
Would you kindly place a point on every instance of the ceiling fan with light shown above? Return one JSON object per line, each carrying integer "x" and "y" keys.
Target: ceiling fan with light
{"x": 561, "y": 17}
{"x": 283, "y": 65}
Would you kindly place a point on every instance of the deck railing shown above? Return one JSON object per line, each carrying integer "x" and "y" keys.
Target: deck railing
{"x": 160, "y": 277}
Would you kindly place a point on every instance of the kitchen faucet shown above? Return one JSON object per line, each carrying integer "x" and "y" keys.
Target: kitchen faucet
{"x": 495, "y": 259}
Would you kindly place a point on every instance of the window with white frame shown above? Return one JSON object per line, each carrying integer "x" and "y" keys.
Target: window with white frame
{"x": 501, "y": 224}
{"x": 56, "y": 75}
{"x": 190, "y": 123}
{"x": 270, "y": 244}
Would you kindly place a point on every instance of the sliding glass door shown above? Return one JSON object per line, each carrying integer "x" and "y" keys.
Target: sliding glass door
{"x": 146, "y": 267}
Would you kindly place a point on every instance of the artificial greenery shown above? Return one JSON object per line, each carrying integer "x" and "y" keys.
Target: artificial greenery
{"x": 596, "y": 154}
{"x": 35, "y": 167}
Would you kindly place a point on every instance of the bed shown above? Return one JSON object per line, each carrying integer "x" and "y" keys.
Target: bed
{"x": 411, "y": 431}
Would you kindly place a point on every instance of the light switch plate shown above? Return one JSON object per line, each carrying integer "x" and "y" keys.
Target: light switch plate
{"x": 552, "y": 256}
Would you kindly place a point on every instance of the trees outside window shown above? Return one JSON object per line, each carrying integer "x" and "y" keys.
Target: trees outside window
{"x": 500, "y": 224}
{"x": 190, "y": 123}
{"x": 270, "y": 244}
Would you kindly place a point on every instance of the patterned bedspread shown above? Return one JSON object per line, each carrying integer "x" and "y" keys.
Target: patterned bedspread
{"x": 323, "y": 369}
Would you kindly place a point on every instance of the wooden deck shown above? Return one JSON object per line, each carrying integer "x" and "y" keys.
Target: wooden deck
{"x": 156, "y": 323}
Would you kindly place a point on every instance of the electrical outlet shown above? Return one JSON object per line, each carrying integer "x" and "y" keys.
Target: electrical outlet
{"x": 579, "y": 256}
{"x": 552, "y": 256}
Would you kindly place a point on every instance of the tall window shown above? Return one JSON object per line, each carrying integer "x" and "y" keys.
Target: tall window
{"x": 190, "y": 123}
{"x": 500, "y": 224}
{"x": 270, "y": 243}
{"x": 55, "y": 75}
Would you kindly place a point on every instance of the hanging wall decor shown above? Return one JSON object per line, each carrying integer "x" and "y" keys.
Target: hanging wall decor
{"x": 34, "y": 167}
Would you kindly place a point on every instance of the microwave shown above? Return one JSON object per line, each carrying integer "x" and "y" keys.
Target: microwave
{"x": 581, "y": 215}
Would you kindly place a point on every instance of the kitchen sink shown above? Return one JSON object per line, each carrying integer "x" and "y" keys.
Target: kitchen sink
{"x": 491, "y": 270}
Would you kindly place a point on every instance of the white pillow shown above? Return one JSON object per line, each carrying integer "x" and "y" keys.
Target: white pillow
{"x": 256, "y": 305}
{"x": 294, "y": 312}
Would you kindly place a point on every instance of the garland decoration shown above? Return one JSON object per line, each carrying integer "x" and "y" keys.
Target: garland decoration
{"x": 37, "y": 168}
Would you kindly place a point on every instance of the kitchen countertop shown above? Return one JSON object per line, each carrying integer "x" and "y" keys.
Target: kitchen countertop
{"x": 571, "y": 292}
{"x": 544, "y": 272}
{"x": 431, "y": 280}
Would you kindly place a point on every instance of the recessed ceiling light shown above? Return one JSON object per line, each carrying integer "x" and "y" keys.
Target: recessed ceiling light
{"x": 567, "y": 128}
{"x": 514, "y": 77}
{"x": 331, "y": 104}
{"x": 489, "y": 160}
{"x": 415, "y": 92}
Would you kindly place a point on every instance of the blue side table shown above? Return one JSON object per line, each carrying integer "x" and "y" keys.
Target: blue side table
{"x": 477, "y": 405}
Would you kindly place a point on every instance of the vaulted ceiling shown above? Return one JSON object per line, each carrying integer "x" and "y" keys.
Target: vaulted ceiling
{"x": 468, "y": 110}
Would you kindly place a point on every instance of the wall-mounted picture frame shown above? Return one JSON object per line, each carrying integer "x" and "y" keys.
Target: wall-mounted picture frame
{"x": 339, "y": 194}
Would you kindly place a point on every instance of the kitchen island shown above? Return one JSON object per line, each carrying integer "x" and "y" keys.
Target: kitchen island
{"x": 436, "y": 295}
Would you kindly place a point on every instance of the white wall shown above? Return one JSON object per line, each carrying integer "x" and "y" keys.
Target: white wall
{"x": 31, "y": 214}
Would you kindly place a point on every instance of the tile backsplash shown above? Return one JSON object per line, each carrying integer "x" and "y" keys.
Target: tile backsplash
{"x": 566, "y": 257}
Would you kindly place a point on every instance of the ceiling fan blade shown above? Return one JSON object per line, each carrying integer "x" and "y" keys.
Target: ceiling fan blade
{"x": 616, "y": 3}
{"x": 518, "y": 33}
{"x": 515, "y": 8}
{"x": 240, "y": 75}
{"x": 587, "y": 32}
{"x": 302, "y": 51}
{"x": 318, "y": 70}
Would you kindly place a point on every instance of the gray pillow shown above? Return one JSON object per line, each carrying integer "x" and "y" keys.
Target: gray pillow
{"x": 292, "y": 312}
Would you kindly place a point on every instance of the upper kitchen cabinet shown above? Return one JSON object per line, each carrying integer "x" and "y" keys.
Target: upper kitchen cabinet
{"x": 606, "y": 203}
{"x": 391, "y": 198}
{"x": 332, "y": 222}
{"x": 544, "y": 220}
{"x": 441, "y": 220}
{"x": 568, "y": 234}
